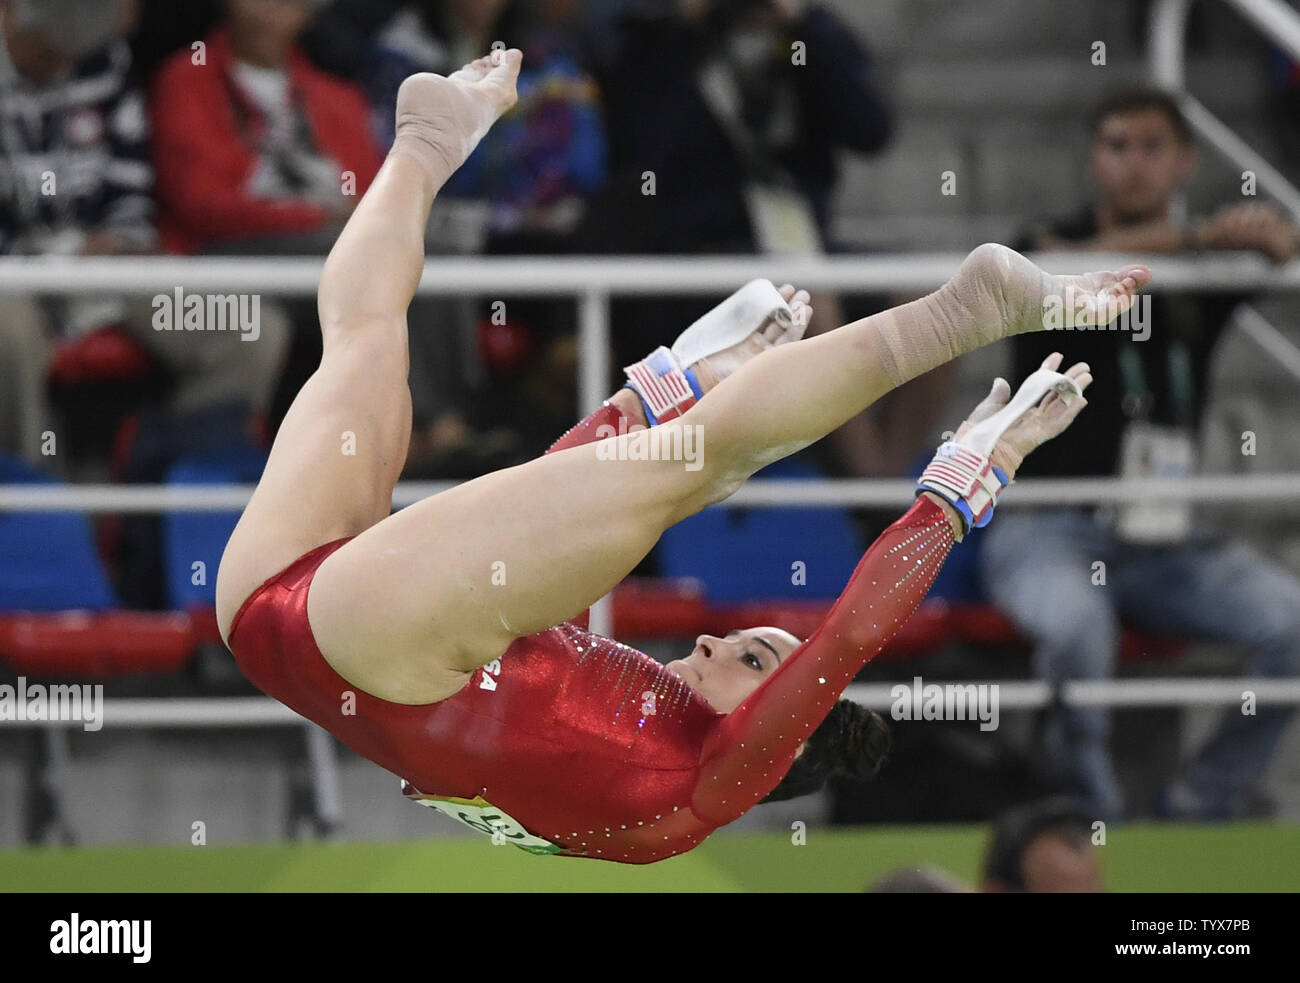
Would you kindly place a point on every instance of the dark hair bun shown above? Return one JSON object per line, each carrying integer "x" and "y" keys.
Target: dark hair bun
{"x": 863, "y": 740}
{"x": 852, "y": 741}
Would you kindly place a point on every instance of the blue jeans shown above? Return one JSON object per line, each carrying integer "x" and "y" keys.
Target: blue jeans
{"x": 1037, "y": 566}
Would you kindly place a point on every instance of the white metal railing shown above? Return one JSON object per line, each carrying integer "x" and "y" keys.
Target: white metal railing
{"x": 593, "y": 280}
{"x": 1258, "y": 329}
{"x": 1279, "y": 22}
{"x": 570, "y": 276}
{"x": 1275, "y": 18}
{"x": 1275, "y": 489}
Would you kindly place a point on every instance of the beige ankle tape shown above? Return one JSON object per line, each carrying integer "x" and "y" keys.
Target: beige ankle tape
{"x": 420, "y": 142}
{"x": 918, "y": 336}
{"x": 961, "y": 316}
{"x": 432, "y": 161}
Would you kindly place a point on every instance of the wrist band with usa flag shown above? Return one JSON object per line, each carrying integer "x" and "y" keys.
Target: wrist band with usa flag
{"x": 666, "y": 389}
{"x": 968, "y": 481}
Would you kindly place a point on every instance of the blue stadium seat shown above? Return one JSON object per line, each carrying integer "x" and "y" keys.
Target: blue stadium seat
{"x": 743, "y": 554}
{"x": 959, "y": 578}
{"x": 48, "y": 560}
{"x": 193, "y": 538}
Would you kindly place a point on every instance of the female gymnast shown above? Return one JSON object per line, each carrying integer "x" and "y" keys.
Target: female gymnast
{"x": 439, "y": 641}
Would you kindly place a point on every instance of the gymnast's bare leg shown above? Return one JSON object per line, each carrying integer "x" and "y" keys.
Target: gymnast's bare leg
{"x": 409, "y": 608}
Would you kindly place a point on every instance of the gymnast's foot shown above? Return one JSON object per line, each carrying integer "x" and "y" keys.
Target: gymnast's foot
{"x": 1005, "y": 294}
{"x": 441, "y": 120}
{"x": 716, "y": 367}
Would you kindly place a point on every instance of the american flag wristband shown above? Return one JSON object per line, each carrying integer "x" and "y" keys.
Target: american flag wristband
{"x": 665, "y": 388}
{"x": 967, "y": 481}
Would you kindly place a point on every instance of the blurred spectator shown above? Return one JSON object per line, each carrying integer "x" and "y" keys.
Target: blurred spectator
{"x": 724, "y": 118}
{"x": 521, "y": 192}
{"x": 1145, "y": 405}
{"x": 259, "y": 152}
{"x": 251, "y": 141}
{"x": 165, "y": 26}
{"x": 537, "y": 167}
{"x": 532, "y": 170}
{"x": 918, "y": 880}
{"x": 76, "y": 181}
{"x": 738, "y": 108}
{"x": 378, "y": 43}
{"x": 1043, "y": 848}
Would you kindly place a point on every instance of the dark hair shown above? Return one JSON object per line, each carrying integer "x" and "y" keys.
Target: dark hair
{"x": 1013, "y": 831}
{"x": 852, "y": 741}
{"x": 1136, "y": 98}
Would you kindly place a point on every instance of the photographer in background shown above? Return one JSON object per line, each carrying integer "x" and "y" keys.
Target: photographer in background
{"x": 738, "y": 109}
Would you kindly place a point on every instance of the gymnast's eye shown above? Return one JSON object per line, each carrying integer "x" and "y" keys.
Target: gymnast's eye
{"x": 750, "y": 659}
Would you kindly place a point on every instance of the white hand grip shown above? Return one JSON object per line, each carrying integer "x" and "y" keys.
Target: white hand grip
{"x": 984, "y": 436}
{"x": 732, "y": 321}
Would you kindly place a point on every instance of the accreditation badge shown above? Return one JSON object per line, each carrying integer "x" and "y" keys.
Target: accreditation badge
{"x": 1150, "y": 450}
{"x": 783, "y": 222}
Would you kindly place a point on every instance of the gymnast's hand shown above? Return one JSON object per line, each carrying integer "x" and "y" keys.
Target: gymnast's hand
{"x": 1038, "y": 424}
{"x": 445, "y": 118}
{"x": 712, "y": 370}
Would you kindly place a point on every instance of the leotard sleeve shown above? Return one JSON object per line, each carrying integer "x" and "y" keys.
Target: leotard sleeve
{"x": 605, "y": 422}
{"x": 750, "y": 749}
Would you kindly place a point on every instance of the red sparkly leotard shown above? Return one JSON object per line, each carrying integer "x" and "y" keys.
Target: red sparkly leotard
{"x": 574, "y": 744}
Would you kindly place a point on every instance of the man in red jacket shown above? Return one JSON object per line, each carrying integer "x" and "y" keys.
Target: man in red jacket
{"x": 251, "y": 141}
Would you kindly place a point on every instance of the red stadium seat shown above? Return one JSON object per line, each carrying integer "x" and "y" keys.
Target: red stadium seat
{"x": 107, "y": 353}
{"x": 115, "y": 643}
{"x": 96, "y": 644}
{"x": 649, "y": 608}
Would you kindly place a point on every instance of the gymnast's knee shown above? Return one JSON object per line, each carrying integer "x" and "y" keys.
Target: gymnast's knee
{"x": 710, "y": 480}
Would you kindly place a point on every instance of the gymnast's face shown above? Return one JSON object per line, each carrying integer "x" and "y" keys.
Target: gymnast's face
{"x": 726, "y": 670}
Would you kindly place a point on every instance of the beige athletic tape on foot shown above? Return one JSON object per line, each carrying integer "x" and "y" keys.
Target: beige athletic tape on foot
{"x": 964, "y": 314}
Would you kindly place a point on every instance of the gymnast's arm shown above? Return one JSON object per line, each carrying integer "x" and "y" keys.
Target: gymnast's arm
{"x": 750, "y": 749}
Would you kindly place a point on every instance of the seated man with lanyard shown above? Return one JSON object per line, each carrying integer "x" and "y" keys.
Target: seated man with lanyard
{"x": 1159, "y": 573}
